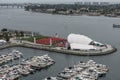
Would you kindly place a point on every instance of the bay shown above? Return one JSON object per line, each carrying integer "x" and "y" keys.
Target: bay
{"x": 98, "y": 28}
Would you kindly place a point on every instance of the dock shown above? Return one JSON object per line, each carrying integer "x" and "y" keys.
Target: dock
{"x": 83, "y": 71}
{"x": 15, "y": 54}
{"x": 25, "y": 67}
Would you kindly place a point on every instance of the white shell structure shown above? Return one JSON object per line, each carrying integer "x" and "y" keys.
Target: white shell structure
{"x": 79, "y": 39}
{"x": 82, "y": 46}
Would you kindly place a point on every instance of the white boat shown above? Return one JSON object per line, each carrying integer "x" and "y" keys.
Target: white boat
{"x": 83, "y": 71}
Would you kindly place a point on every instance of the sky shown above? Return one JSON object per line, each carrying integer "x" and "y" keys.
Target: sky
{"x": 54, "y": 1}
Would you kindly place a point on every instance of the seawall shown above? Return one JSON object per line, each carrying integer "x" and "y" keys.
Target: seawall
{"x": 109, "y": 49}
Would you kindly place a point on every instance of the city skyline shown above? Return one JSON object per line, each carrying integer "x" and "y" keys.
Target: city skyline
{"x": 54, "y": 1}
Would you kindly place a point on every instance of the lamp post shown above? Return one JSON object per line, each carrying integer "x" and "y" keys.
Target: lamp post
{"x": 34, "y": 40}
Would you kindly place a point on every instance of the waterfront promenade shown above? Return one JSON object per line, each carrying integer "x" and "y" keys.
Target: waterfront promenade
{"x": 109, "y": 49}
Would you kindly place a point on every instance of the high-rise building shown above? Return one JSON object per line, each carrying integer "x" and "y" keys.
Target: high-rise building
{"x": 79, "y": 3}
{"x": 87, "y": 3}
{"x": 95, "y": 3}
{"x": 104, "y": 3}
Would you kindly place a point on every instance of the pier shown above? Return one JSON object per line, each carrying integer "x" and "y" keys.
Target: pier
{"x": 109, "y": 49}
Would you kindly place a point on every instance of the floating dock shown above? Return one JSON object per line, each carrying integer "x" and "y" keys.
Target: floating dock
{"x": 83, "y": 71}
{"x": 25, "y": 67}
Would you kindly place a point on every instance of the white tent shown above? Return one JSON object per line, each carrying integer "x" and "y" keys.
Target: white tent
{"x": 82, "y": 42}
{"x": 80, "y": 39}
{"x": 82, "y": 46}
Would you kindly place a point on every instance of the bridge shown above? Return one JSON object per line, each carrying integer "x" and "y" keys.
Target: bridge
{"x": 11, "y": 5}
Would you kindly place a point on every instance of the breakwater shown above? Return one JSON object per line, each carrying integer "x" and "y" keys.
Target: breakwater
{"x": 109, "y": 49}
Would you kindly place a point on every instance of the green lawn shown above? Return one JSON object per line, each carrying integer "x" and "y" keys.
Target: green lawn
{"x": 31, "y": 39}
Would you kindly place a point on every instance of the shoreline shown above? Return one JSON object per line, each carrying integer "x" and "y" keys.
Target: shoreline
{"x": 77, "y": 14}
{"x": 106, "y": 51}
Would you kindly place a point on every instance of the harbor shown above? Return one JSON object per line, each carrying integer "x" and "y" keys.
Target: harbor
{"x": 25, "y": 67}
{"x": 83, "y": 71}
{"x": 10, "y": 56}
{"x": 75, "y": 44}
{"x": 98, "y": 28}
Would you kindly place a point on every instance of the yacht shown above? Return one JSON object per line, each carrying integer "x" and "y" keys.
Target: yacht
{"x": 116, "y": 25}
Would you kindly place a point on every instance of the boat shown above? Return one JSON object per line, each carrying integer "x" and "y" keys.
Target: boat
{"x": 15, "y": 54}
{"x": 116, "y": 25}
{"x": 83, "y": 71}
{"x": 24, "y": 67}
{"x": 24, "y": 72}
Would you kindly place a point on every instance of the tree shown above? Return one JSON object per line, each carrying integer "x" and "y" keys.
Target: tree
{"x": 7, "y": 38}
{"x": 4, "y": 29}
{"x": 27, "y": 8}
{"x": 21, "y": 33}
{"x": 17, "y": 33}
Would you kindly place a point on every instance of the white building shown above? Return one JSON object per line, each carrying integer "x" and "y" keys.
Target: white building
{"x": 82, "y": 42}
{"x": 80, "y": 39}
{"x": 75, "y": 46}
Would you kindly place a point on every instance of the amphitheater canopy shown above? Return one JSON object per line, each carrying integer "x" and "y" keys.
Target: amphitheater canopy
{"x": 82, "y": 46}
{"x": 80, "y": 39}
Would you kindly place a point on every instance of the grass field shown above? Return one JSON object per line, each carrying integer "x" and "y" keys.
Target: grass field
{"x": 31, "y": 39}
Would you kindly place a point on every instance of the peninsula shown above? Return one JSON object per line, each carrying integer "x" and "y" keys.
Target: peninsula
{"x": 75, "y": 44}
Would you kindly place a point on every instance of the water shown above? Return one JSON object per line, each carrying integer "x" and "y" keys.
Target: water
{"x": 98, "y": 28}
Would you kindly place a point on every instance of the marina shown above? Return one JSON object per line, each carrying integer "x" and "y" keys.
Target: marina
{"x": 25, "y": 67}
{"x": 83, "y": 71}
{"x": 98, "y": 28}
{"x": 11, "y": 56}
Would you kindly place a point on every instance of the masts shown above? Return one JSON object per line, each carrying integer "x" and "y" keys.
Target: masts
{"x": 25, "y": 67}
{"x": 83, "y": 71}
{"x": 10, "y": 57}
